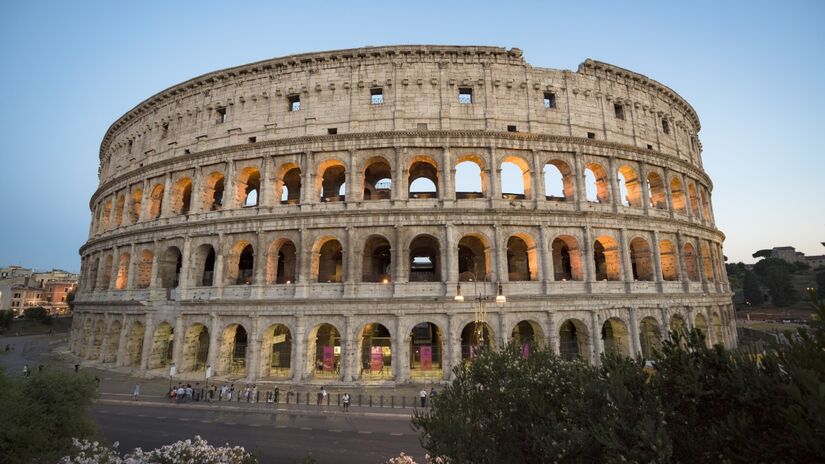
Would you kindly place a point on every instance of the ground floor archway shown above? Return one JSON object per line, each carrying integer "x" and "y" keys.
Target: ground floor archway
{"x": 195, "y": 349}
{"x": 112, "y": 342}
{"x": 162, "y": 347}
{"x": 650, "y": 337}
{"x": 376, "y": 353}
{"x": 615, "y": 337}
{"x": 325, "y": 344}
{"x": 475, "y": 337}
{"x": 134, "y": 345}
{"x": 234, "y": 345}
{"x": 426, "y": 352}
{"x": 276, "y": 352}
{"x": 574, "y": 341}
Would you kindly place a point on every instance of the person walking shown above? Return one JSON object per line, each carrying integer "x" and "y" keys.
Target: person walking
{"x": 136, "y": 392}
{"x": 346, "y": 399}
{"x": 423, "y": 396}
{"x": 433, "y": 394}
{"x": 26, "y": 370}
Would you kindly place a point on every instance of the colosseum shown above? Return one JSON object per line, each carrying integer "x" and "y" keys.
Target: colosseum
{"x": 375, "y": 215}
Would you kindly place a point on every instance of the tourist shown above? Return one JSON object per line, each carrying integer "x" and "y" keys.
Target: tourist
{"x": 180, "y": 393}
{"x": 423, "y": 395}
{"x": 136, "y": 392}
{"x": 254, "y": 393}
{"x": 433, "y": 394}
{"x": 197, "y": 391}
{"x": 276, "y": 395}
{"x": 26, "y": 370}
{"x": 346, "y": 400}
{"x": 189, "y": 392}
{"x": 223, "y": 393}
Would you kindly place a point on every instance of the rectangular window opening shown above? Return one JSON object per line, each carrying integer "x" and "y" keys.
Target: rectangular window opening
{"x": 591, "y": 135}
{"x": 421, "y": 126}
{"x": 253, "y": 139}
{"x": 221, "y": 115}
{"x": 332, "y": 131}
{"x": 649, "y": 146}
{"x": 377, "y": 96}
{"x": 164, "y": 130}
{"x": 618, "y": 110}
{"x": 512, "y": 129}
{"x": 186, "y": 151}
{"x": 665, "y": 126}
{"x": 465, "y": 95}
{"x": 294, "y": 102}
{"x": 549, "y": 100}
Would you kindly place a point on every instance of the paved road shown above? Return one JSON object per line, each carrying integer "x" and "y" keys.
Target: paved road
{"x": 276, "y": 437}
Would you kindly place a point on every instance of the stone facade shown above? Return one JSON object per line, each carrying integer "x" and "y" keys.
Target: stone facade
{"x": 300, "y": 219}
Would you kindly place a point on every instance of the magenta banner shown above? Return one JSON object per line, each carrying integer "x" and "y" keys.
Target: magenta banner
{"x": 525, "y": 350}
{"x": 426, "y": 352}
{"x": 329, "y": 359}
{"x": 376, "y": 359}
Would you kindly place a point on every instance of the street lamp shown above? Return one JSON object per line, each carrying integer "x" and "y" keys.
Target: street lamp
{"x": 480, "y": 300}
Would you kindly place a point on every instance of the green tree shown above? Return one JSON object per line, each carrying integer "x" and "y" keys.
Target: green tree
{"x": 6, "y": 318}
{"x": 751, "y": 290}
{"x": 36, "y": 313}
{"x": 820, "y": 282}
{"x": 41, "y": 415}
{"x": 775, "y": 274}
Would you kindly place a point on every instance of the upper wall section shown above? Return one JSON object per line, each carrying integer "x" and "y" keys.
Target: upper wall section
{"x": 400, "y": 88}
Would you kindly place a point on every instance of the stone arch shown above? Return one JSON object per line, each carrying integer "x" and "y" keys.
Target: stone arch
{"x": 656, "y": 190}
{"x": 678, "y": 324}
{"x": 137, "y": 199}
{"x": 607, "y": 259}
{"x": 118, "y": 215}
{"x": 281, "y": 263}
{"x": 515, "y": 172}
{"x": 475, "y": 336}
{"x": 376, "y": 356}
{"x": 718, "y": 333}
{"x": 694, "y": 200}
{"x": 288, "y": 184}
{"x": 574, "y": 340}
{"x": 700, "y": 323}
{"x": 630, "y": 192}
{"x": 134, "y": 344}
{"x": 426, "y": 351}
{"x": 474, "y": 258}
{"x": 559, "y": 181}
{"x": 705, "y": 205}
{"x": 527, "y": 332}
{"x": 234, "y": 343}
{"x": 195, "y": 349}
{"x": 162, "y": 346}
{"x": 248, "y": 187}
{"x": 707, "y": 261}
{"x": 616, "y": 337}
{"x": 377, "y": 179}
{"x": 156, "y": 201}
{"x": 668, "y": 260}
{"x": 241, "y": 264}
{"x": 597, "y": 185}
{"x": 93, "y": 272}
{"x": 470, "y": 177}
{"x": 324, "y": 342}
{"x": 641, "y": 259}
{"x": 213, "y": 191}
{"x": 276, "y": 352}
{"x": 169, "y": 266}
{"x": 181, "y": 196}
{"x": 331, "y": 181}
{"x": 97, "y": 340}
{"x": 691, "y": 261}
{"x": 522, "y": 258}
{"x": 425, "y": 259}
{"x": 567, "y": 259}
{"x": 650, "y": 336}
{"x": 678, "y": 195}
{"x": 112, "y": 342}
{"x": 203, "y": 262}
{"x": 328, "y": 260}
{"x": 143, "y": 279}
{"x": 377, "y": 260}
{"x": 423, "y": 167}
{"x": 106, "y": 215}
{"x": 122, "y": 278}
{"x": 108, "y": 264}
{"x": 84, "y": 338}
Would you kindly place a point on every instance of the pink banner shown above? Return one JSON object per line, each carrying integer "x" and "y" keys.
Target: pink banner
{"x": 376, "y": 359}
{"x": 525, "y": 350}
{"x": 329, "y": 359}
{"x": 426, "y": 352}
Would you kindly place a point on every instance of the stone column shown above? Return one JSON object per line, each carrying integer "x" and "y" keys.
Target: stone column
{"x": 449, "y": 265}
{"x": 308, "y": 192}
{"x": 613, "y": 180}
{"x": 691, "y": 317}
{"x": 402, "y": 171}
{"x": 148, "y": 339}
{"x": 596, "y": 345}
{"x": 253, "y": 367}
{"x": 267, "y": 193}
{"x": 115, "y": 268}
{"x": 701, "y": 264}
{"x": 179, "y": 339}
{"x": 153, "y": 282}
{"x": 500, "y": 248}
{"x": 627, "y": 268}
{"x": 668, "y": 192}
{"x": 350, "y": 263}
{"x": 657, "y": 260}
{"x": 351, "y": 193}
{"x": 196, "y": 199}
{"x": 166, "y": 205}
{"x": 665, "y": 328}
{"x": 644, "y": 186}
{"x": 230, "y": 200}
{"x": 448, "y": 174}
{"x": 186, "y": 268}
{"x": 539, "y": 195}
{"x": 133, "y": 264}
{"x": 579, "y": 185}
{"x": 545, "y": 256}
{"x": 299, "y": 359}
{"x": 348, "y": 353}
{"x": 635, "y": 340}
{"x": 217, "y": 277}
{"x": 396, "y": 178}
{"x": 399, "y": 256}
{"x": 144, "y": 202}
{"x": 259, "y": 265}
{"x": 304, "y": 258}
{"x": 452, "y": 347}
{"x": 123, "y": 342}
{"x": 587, "y": 256}
{"x": 553, "y": 334}
{"x": 214, "y": 353}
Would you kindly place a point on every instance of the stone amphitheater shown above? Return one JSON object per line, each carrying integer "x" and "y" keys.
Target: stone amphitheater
{"x": 375, "y": 215}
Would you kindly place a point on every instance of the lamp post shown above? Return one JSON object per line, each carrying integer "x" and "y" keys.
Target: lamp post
{"x": 480, "y": 300}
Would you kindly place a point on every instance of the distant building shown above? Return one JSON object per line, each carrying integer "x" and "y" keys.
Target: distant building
{"x": 789, "y": 254}
{"x": 22, "y": 288}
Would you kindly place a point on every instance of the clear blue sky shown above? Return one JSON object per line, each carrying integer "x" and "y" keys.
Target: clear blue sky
{"x": 752, "y": 70}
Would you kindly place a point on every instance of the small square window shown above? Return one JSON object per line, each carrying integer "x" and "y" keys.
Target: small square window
{"x": 130, "y": 146}
{"x": 665, "y": 126}
{"x": 512, "y": 129}
{"x": 332, "y": 131}
{"x": 253, "y": 139}
{"x": 221, "y": 115}
{"x": 649, "y": 146}
{"x": 377, "y": 96}
{"x": 421, "y": 126}
{"x": 618, "y": 110}
{"x": 164, "y": 130}
{"x": 591, "y": 135}
{"x": 186, "y": 152}
{"x": 294, "y": 102}
{"x": 465, "y": 95}
{"x": 549, "y": 100}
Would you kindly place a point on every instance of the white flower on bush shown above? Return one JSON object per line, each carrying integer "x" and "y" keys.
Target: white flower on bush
{"x": 194, "y": 451}
{"x": 405, "y": 459}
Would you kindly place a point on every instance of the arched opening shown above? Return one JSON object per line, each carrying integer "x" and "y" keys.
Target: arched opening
{"x": 558, "y": 181}
{"x": 195, "y": 349}
{"x": 423, "y": 179}
{"x": 333, "y": 176}
{"x": 656, "y": 191}
{"x": 567, "y": 259}
{"x": 678, "y": 324}
{"x": 701, "y": 324}
{"x": 425, "y": 259}
{"x": 325, "y": 342}
{"x": 248, "y": 187}
{"x": 233, "y": 350}
{"x": 376, "y": 352}
{"x": 162, "y": 346}
{"x": 156, "y": 201}
{"x": 629, "y": 191}
{"x": 668, "y": 258}
{"x": 707, "y": 262}
{"x": 615, "y": 337}
{"x": 694, "y": 200}
{"x": 573, "y": 340}
{"x": 107, "y": 272}
{"x": 473, "y": 258}
{"x": 112, "y": 342}
{"x": 134, "y": 345}
{"x": 241, "y": 264}
{"x": 515, "y": 179}
{"x": 718, "y": 334}
{"x": 122, "y": 271}
{"x": 522, "y": 259}
{"x": 97, "y": 342}
{"x": 475, "y": 337}
{"x": 288, "y": 184}
{"x": 118, "y": 216}
{"x": 182, "y": 196}
{"x": 678, "y": 195}
{"x": 203, "y": 261}
{"x": 596, "y": 184}
{"x": 426, "y": 352}
{"x": 328, "y": 257}
{"x": 106, "y": 217}
{"x": 607, "y": 259}
{"x": 641, "y": 259}
{"x": 377, "y": 260}
{"x": 281, "y": 262}
{"x": 650, "y": 337}
{"x": 213, "y": 192}
{"x": 527, "y": 335}
{"x": 377, "y": 179}
{"x": 276, "y": 352}
{"x": 84, "y": 339}
{"x": 691, "y": 262}
{"x": 144, "y": 270}
{"x": 137, "y": 199}
{"x": 169, "y": 267}
{"x": 470, "y": 181}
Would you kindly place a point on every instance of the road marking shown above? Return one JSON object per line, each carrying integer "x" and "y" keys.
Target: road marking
{"x": 141, "y": 415}
{"x": 396, "y": 434}
{"x": 280, "y": 426}
{"x": 206, "y": 422}
{"x": 161, "y": 417}
{"x": 182, "y": 419}
{"x": 334, "y": 430}
{"x": 365, "y": 432}
{"x": 231, "y": 423}
{"x": 306, "y": 428}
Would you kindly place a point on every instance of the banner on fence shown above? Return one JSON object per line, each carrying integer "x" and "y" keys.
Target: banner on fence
{"x": 329, "y": 359}
{"x": 376, "y": 359}
{"x": 426, "y": 357}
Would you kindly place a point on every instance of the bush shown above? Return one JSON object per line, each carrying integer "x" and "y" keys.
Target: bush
{"x": 196, "y": 450}
{"x": 820, "y": 281}
{"x": 6, "y": 317}
{"x": 36, "y": 313}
